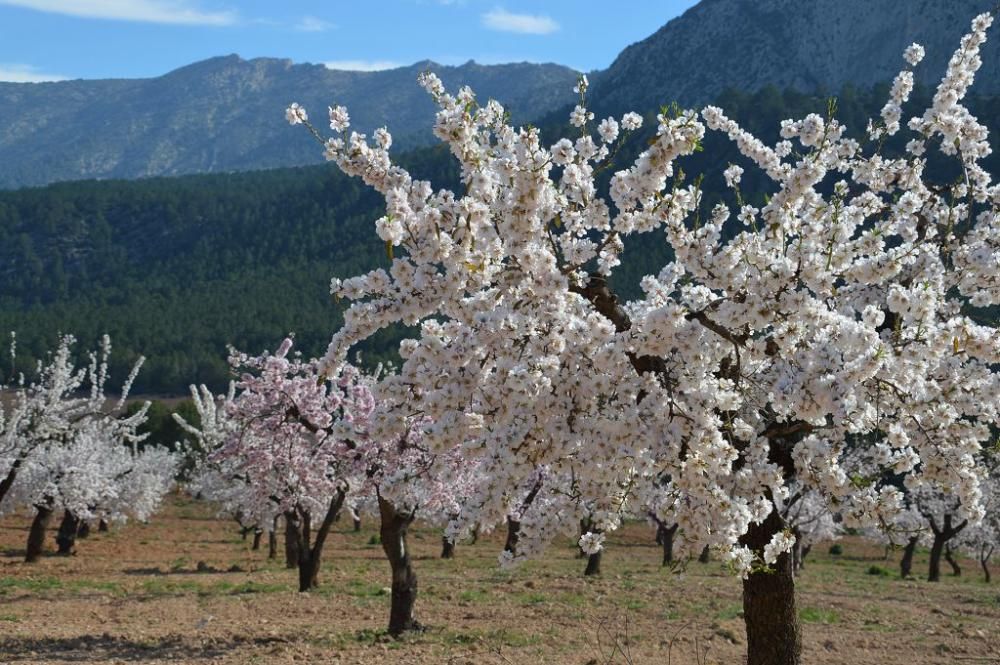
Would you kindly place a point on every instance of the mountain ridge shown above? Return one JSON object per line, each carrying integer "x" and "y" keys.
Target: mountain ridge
{"x": 226, "y": 114}
{"x": 817, "y": 45}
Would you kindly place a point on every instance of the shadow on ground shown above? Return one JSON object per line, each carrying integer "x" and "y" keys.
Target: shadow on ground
{"x": 100, "y": 648}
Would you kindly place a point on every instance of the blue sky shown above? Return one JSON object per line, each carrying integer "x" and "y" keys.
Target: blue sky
{"x": 60, "y": 39}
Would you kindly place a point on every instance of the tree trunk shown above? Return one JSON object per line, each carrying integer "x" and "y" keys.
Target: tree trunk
{"x": 513, "y": 531}
{"x": 84, "y": 530}
{"x": 704, "y": 556}
{"x": 36, "y": 536}
{"x": 66, "y": 536}
{"x": 937, "y": 548}
{"x": 291, "y": 539}
{"x": 357, "y": 524}
{"x": 393, "y": 529}
{"x": 667, "y": 542}
{"x": 272, "y": 540}
{"x": 906, "y": 563}
{"x": 769, "y": 603}
{"x": 310, "y": 552}
{"x": 805, "y": 553}
{"x": 9, "y": 479}
{"x": 956, "y": 571}
{"x": 796, "y": 557}
{"x": 257, "y": 533}
{"x": 102, "y": 527}
{"x": 941, "y": 538}
{"x": 447, "y": 548}
{"x": 593, "y": 564}
{"x": 984, "y": 560}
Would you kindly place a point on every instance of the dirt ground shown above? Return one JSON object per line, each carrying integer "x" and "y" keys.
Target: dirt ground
{"x": 135, "y": 595}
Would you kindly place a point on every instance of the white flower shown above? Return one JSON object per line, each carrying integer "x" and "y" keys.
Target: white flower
{"x": 780, "y": 543}
{"x": 733, "y": 175}
{"x": 913, "y": 54}
{"x": 608, "y": 129}
{"x": 580, "y": 116}
{"x": 591, "y": 543}
{"x": 383, "y": 138}
{"x": 295, "y": 114}
{"x": 631, "y": 121}
{"x": 339, "y": 119}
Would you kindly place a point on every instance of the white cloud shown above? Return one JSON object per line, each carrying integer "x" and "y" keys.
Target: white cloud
{"x": 531, "y": 24}
{"x": 180, "y": 12}
{"x": 13, "y": 73}
{"x": 313, "y": 24}
{"x": 362, "y": 65}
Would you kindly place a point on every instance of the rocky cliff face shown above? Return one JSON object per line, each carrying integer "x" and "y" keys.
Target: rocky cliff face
{"x": 809, "y": 45}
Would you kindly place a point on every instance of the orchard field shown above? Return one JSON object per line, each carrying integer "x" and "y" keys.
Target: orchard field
{"x": 135, "y": 595}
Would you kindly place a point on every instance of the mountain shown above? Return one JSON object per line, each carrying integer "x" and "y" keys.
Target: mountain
{"x": 807, "y": 45}
{"x": 226, "y": 114}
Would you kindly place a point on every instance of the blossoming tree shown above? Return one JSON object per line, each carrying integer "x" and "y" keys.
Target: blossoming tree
{"x": 289, "y": 442}
{"x": 832, "y": 313}
{"x": 63, "y": 447}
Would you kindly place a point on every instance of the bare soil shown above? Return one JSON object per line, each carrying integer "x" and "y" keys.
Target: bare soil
{"x": 161, "y": 593}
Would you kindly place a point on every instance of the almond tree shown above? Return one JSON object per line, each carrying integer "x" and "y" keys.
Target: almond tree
{"x": 63, "y": 447}
{"x": 289, "y": 442}
{"x": 833, "y": 312}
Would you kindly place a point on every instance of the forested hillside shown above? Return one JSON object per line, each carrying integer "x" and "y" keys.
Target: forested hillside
{"x": 177, "y": 268}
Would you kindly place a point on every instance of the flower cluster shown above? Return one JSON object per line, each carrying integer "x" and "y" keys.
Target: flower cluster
{"x": 774, "y": 340}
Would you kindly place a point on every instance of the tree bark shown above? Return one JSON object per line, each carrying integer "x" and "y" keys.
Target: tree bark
{"x": 704, "y": 556}
{"x": 447, "y": 548}
{"x": 513, "y": 531}
{"x": 84, "y": 530}
{"x": 937, "y": 548}
{"x": 291, "y": 539}
{"x": 906, "y": 563}
{"x": 66, "y": 536}
{"x": 357, "y": 524}
{"x": 941, "y": 537}
{"x": 36, "y": 535}
{"x": 9, "y": 479}
{"x": 310, "y": 550}
{"x": 102, "y": 527}
{"x": 984, "y": 560}
{"x": 593, "y": 564}
{"x": 272, "y": 540}
{"x": 772, "y": 622}
{"x": 257, "y": 533}
{"x": 666, "y": 536}
{"x": 393, "y": 528}
{"x": 949, "y": 556}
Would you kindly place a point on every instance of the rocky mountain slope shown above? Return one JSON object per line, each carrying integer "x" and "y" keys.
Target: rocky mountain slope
{"x": 226, "y": 114}
{"x": 809, "y": 45}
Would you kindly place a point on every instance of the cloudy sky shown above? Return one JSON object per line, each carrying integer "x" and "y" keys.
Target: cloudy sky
{"x": 59, "y": 39}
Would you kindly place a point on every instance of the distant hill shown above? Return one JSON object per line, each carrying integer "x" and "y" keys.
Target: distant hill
{"x": 807, "y": 45}
{"x": 226, "y": 114}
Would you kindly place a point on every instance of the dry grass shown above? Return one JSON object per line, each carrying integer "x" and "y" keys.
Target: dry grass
{"x": 135, "y": 596}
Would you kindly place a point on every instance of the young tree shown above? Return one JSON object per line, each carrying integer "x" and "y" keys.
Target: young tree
{"x": 833, "y": 312}
{"x": 63, "y": 450}
{"x": 982, "y": 540}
